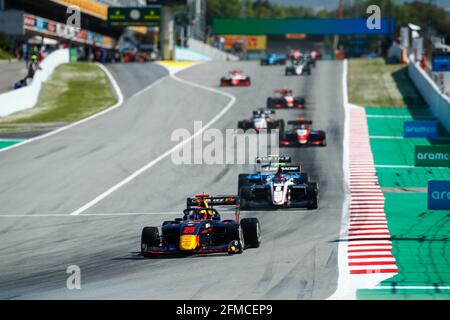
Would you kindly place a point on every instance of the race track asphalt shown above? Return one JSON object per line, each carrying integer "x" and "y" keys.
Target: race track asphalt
{"x": 43, "y": 182}
{"x": 11, "y": 72}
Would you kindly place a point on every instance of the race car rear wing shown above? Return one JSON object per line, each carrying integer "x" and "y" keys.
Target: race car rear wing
{"x": 283, "y": 91}
{"x": 216, "y": 201}
{"x": 299, "y": 122}
{"x": 258, "y": 112}
{"x": 290, "y": 169}
{"x": 273, "y": 168}
{"x": 213, "y": 200}
{"x": 274, "y": 158}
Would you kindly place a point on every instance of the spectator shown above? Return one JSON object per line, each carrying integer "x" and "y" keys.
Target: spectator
{"x": 33, "y": 66}
{"x": 222, "y": 43}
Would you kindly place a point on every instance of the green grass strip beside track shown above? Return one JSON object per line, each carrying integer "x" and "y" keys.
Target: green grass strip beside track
{"x": 373, "y": 82}
{"x": 74, "y": 91}
{"x": 5, "y": 55}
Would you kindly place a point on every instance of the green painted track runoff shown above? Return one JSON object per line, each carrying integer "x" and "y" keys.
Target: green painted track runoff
{"x": 420, "y": 237}
{"x": 8, "y": 143}
{"x": 420, "y": 244}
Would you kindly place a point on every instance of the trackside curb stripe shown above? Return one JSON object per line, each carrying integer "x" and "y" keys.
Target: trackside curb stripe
{"x": 358, "y": 267}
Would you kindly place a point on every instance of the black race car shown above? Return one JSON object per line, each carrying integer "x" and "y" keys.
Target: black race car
{"x": 201, "y": 230}
{"x": 262, "y": 120}
{"x": 285, "y": 99}
{"x": 298, "y": 68}
{"x": 300, "y": 134}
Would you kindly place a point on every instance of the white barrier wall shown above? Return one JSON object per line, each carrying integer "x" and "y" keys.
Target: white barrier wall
{"x": 27, "y": 97}
{"x": 201, "y": 51}
{"x": 438, "y": 102}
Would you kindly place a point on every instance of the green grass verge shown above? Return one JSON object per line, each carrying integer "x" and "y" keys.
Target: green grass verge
{"x": 5, "y": 55}
{"x": 372, "y": 82}
{"x": 75, "y": 91}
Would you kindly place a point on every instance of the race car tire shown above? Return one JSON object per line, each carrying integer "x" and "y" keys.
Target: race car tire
{"x": 251, "y": 231}
{"x": 270, "y": 103}
{"x": 281, "y": 126}
{"x": 313, "y": 204}
{"x": 238, "y": 235}
{"x": 241, "y": 125}
{"x": 248, "y": 82}
{"x": 324, "y": 141}
{"x": 242, "y": 181}
{"x": 282, "y": 62}
{"x": 245, "y": 194}
{"x": 304, "y": 178}
{"x": 299, "y": 101}
{"x": 313, "y": 192}
{"x": 149, "y": 238}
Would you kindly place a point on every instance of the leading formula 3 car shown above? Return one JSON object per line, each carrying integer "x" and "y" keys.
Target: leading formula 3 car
{"x": 201, "y": 230}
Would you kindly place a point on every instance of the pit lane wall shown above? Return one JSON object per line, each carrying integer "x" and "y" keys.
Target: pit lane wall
{"x": 27, "y": 97}
{"x": 199, "y": 51}
{"x": 438, "y": 102}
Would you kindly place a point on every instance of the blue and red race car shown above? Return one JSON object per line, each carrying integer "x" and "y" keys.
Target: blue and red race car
{"x": 201, "y": 230}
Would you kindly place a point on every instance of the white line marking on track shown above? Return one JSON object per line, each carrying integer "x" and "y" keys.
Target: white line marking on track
{"x": 168, "y": 152}
{"x": 58, "y": 215}
{"x": 398, "y": 116}
{"x": 386, "y": 137}
{"x": 393, "y": 166}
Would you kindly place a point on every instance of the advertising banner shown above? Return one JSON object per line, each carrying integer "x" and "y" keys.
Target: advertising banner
{"x": 439, "y": 195}
{"x": 420, "y": 129}
{"x": 59, "y": 30}
{"x": 134, "y": 16}
{"x": 440, "y": 62}
{"x": 432, "y": 156}
{"x": 255, "y": 26}
{"x": 252, "y": 43}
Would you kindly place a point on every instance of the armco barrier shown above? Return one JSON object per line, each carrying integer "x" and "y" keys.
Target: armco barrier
{"x": 200, "y": 51}
{"x": 27, "y": 97}
{"x": 437, "y": 101}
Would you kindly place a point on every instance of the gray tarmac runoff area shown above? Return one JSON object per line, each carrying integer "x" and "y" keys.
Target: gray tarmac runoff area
{"x": 11, "y": 73}
{"x": 43, "y": 182}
